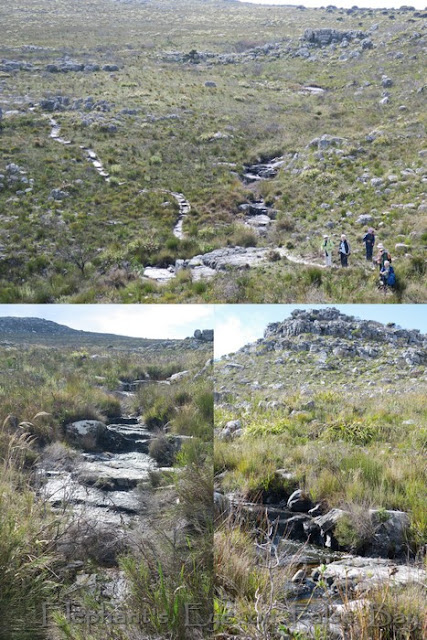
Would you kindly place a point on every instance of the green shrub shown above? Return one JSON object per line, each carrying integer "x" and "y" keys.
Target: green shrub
{"x": 162, "y": 450}
{"x": 159, "y": 414}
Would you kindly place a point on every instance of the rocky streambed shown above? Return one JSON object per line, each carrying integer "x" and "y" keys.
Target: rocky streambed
{"x": 101, "y": 482}
{"x": 325, "y": 582}
{"x": 258, "y": 216}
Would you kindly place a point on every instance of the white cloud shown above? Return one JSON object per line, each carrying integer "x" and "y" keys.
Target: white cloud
{"x": 154, "y": 321}
{"x": 231, "y": 334}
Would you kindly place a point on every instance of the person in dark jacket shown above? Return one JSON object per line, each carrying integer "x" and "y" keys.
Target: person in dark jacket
{"x": 344, "y": 251}
{"x": 369, "y": 240}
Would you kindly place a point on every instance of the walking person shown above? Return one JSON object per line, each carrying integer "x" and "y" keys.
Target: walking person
{"x": 382, "y": 256}
{"x": 326, "y": 248}
{"x": 369, "y": 240}
{"x": 344, "y": 250}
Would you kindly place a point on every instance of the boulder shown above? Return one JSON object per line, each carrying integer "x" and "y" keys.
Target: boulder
{"x": 325, "y": 142}
{"x": 325, "y": 37}
{"x": 232, "y": 429}
{"x": 71, "y": 66}
{"x": 391, "y": 532}
{"x": 400, "y": 247}
{"x": 177, "y": 377}
{"x": 300, "y": 502}
{"x": 365, "y": 218}
{"x": 90, "y": 68}
{"x": 206, "y": 335}
{"x": 58, "y": 194}
{"x": 95, "y": 436}
{"x": 327, "y": 524}
{"x": 293, "y": 527}
{"x": 85, "y": 434}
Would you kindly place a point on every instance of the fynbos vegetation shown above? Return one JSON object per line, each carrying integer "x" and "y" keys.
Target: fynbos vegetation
{"x": 320, "y": 479}
{"x": 105, "y": 485}
{"x": 205, "y": 161}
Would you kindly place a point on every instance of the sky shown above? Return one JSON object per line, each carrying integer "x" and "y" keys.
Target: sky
{"x": 139, "y": 321}
{"x": 371, "y": 4}
{"x": 235, "y": 325}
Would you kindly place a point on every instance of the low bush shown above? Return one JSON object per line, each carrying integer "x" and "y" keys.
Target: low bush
{"x": 162, "y": 451}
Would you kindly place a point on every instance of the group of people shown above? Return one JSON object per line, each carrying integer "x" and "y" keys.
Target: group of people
{"x": 382, "y": 259}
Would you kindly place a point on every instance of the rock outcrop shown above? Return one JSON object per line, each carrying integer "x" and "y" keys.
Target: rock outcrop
{"x": 325, "y": 37}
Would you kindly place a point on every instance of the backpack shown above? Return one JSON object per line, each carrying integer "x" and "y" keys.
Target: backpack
{"x": 391, "y": 280}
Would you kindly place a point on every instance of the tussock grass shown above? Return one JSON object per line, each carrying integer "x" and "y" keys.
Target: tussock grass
{"x": 74, "y": 250}
{"x": 340, "y": 451}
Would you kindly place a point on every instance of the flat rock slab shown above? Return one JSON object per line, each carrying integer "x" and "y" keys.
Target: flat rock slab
{"x": 160, "y": 275}
{"x": 118, "y": 475}
{"x": 369, "y": 572}
{"x": 230, "y": 257}
{"x": 131, "y": 466}
{"x": 207, "y": 265}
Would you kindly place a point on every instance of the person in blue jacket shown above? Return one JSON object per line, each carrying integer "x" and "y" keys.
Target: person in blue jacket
{"x": 387, "y": 275}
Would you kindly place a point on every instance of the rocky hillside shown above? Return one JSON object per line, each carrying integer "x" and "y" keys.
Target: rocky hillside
{"x": 323, "y": 348}
{"x": 320, "y": 442}
{"x": 39, "y": 326}
{"x": 208, "y": 164}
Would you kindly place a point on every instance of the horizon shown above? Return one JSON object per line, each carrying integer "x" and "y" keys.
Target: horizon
{"x": 234, "y": 325}
{"x": 147, "y": 322}
{"x": 342, "y": 4}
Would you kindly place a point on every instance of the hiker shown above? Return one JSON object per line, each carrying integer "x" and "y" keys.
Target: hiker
{"x": 326, "y": 248}
{"x": 382, "y": 256}
{"x": 344, "y": 251}
{"x": 387, "y": 275}
{"x": 369, "y": 240}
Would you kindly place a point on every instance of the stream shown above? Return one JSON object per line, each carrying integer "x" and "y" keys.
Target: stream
{"x": 103, "y": 486}
{"x": 258, "y": 215}
{"x": 323, "y": 585}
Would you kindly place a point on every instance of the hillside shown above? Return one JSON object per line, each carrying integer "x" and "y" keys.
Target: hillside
{"x": 325, "y": 348}
{"x": 41, "y": 331}
{"x": 204, "y": 161}
{"x": 320, "y": 431}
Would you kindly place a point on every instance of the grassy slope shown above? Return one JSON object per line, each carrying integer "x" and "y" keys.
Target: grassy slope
{"x": 346, "y": 433}
{"x": 353, "y": 436}
{"x": 256, "y": 103}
